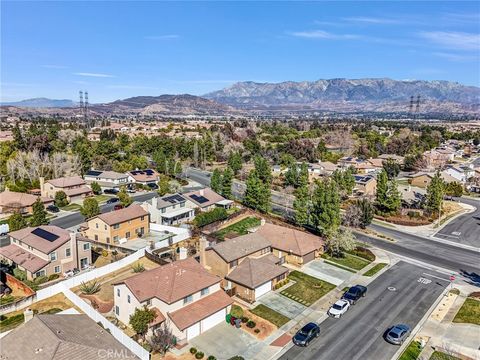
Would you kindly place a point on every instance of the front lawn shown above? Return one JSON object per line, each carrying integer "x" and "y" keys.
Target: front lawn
{"x": 270, "y": 315}
{"x": 412, "y": 351}
{"x": 307, "y": 289}
{"x": 348, "y": 260}
{"x": 438, "y": 355}
{"x": 71, "y": 207}
{"x": 375, "y": 269}
{"x": 239, "y": 228}
{"x": 469, "y": 312}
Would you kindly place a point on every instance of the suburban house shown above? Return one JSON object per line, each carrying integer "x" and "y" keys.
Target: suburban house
{"x": 169, "y": 210}
{"x": 119, "y": 226}
{"x": 397, "y": 158}
{"x": 365, "y": 185}
{"x": 46, "y": 250}
{"x": 423, "y": 179}
{"x": 182, "y": 292}
{"x": 207, "y": 199}
{"x": 435, "y": 159}
{"x": 327, "y": 167}
{"x": 74, "y": 187}
{"x": 143, "y": 177}
{"x": 12, "y": 202}
{"x": 106, "y": 179}
{"x": 460, "y": 172}
{"x": 246, "y": 264}
{"x": 60, "y": 337}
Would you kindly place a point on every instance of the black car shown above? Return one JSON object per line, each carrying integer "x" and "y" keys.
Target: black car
{"x": 306, "y": 334}
{"x": 113, "y": 200}
{"x": 53, "y": 208}
{"x": 354, "y": 293}
{"x": 110, "y": 191}
{"x": 152, "y": 186}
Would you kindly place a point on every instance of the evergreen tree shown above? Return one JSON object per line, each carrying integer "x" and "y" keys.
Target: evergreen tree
{"x": 96, "y": 188}
{"x": 392, "y": 168}
{"x": 163, "y": 185}
{"x": 366, "y": 212}
{"x": 235, "y": 162}
{"x": 291, "y": 175}
{"x": 301, "y": 205}
{"x": 388, "y": 198}
{"x": 61, "y": 199}
{"x": 435, "y": 192}
{"x": 90, "y": 208}
{"x": 345, "y": 181}
{"x": 39, "y": 215}
{"x": 16, "y": 222}
{"x": 302, "y": 179}
{"x": 263, "y": 169}
{"x": 227, "y": 182}
{"x": 257, "y": 193}
{"x": 124, "y": 198}
{"x": 382, "y": 187}
{"x": 216, "y": 181}
{"x": 325, "y": 212}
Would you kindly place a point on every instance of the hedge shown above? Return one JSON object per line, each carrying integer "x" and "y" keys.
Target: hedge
{"x": 211, "y": 216}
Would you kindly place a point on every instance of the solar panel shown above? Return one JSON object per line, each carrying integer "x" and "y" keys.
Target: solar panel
{"x": 45, "y": 234}
{"x": 174, "y": 198}
{"x": 199, "y": 199}
{"x": 94, "y": 172}
{"x": 149, "y": 172}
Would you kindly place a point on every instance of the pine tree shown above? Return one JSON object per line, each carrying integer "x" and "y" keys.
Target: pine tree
{"x": 325, "y": 212}
{"x": 16, "y": 222}
{"x": 382, "y": 188}
{"x": 301, "y": 205}
{"x": 367, "y": 212}
{"x": 39, "y": 215}
{"x": 227, "y": 182}
{"x": 392, "y": 167}
{"x": 235, "y": 162}
{"x": 291, "y": 176}
{"x": 216, "y": 181}
{"x": 394, "y": 198}
{"x": 90, "y": 208}
{"x": 302, "y": 179}
{"x": 263, "y": 169}
{"x": 257, "y": 193}
{"x": 435, "y": 193}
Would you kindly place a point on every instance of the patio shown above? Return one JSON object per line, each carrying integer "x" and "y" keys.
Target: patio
{"x": 281, "y": 304}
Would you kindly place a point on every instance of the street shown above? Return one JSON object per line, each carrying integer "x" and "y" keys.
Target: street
{"x": 359, "y": 333}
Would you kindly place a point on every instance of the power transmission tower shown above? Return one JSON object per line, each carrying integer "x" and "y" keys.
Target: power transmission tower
{"x": 85, "y": 111}
{"x": 411, "y": 104}
{"x": 417, "y": 108}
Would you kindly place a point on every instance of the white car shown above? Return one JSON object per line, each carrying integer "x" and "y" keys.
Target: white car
{"x": 339, "y": 308}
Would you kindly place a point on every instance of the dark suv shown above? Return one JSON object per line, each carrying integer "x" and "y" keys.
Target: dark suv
{"x": 354, "y": 293}
{"x": 306, "y": 334}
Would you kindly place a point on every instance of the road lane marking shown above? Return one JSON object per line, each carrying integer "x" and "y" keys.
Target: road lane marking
{"x": 437, "y": 277}
{"x": 424, "y": 280}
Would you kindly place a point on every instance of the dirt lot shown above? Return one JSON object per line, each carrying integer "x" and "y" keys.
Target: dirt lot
{"x": 58, "y": 301}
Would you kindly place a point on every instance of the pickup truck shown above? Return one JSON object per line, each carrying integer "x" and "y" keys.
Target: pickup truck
{"x": 354, "y": 293}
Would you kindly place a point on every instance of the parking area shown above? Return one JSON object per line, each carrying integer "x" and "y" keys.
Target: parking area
{"x": 403, "y": 294}
{"x": 281, "y": 304}
{"x": 327, "y": 272}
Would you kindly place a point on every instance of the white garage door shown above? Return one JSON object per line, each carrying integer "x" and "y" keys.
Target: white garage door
{"x": 263, "y": 289}
{"x": 214, "y": 319}
{"x": 193, "y": 331}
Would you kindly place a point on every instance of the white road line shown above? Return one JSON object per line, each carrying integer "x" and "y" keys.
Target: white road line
{"x": 437, "y": 277}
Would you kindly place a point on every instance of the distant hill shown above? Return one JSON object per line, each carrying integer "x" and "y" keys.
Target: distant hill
{"x": 41, "y": 103}
{"x": 351, "y": 95}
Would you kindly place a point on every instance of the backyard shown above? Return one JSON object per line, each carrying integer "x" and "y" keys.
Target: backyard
{"x": 236, "y": 229}
{"x": 307, "y": 289}
{"x": 271, "y": 315}
{"x": 469, "y": 312}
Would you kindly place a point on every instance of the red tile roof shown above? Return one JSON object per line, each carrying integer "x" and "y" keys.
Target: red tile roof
{"x": 65, "y": 182}
{"x": 23, "y": 258}
{"x": 18, "y": 200}
{"x": 159, "y": 318}
{"x": 122, "y": 215}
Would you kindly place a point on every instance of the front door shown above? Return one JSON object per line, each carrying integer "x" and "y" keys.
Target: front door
{"x": 83, "y": 263}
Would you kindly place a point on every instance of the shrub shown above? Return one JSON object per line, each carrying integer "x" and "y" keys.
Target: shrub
{"x": 455, "y": 291}
{"x": 90, "y": 287}
{"x": 104, "y": 253}
{"x": 40, "y": 280}
{"x": 147, "y": 346}
{"x": 236, "y": 311}
{"x": 211, "y": 357}
{"x": 61, "y": 199}
{"x": 251, "y": 324}
{"x": 256, "y": 331}
{"x": 6, "y": 299}
{"x": 53, "y": 277}
{"x": 211, "y": 216}
{"x": 138, "y": 268}
{"x": 237, "y": 357}
{"x": 193, "y": 350}
{"x": 199, "y": 355}
{"x": 245, "y": 319}
{"x": 19, "y": 274}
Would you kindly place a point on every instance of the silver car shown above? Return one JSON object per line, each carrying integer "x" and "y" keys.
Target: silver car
{"x": 397, "y": 334}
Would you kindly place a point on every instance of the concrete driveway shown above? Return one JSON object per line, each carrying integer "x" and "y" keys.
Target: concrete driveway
{"x": 327, "y": 272}
{"x": 281, "y": 304}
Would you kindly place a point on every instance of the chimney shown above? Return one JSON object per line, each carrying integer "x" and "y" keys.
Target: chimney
{"x": 203, "y": 243}
{"x": 28, "y": 314}
{"x": 154, "y": 202}
{"x": 41, "y": 179}
{"x": 202, "y": 192}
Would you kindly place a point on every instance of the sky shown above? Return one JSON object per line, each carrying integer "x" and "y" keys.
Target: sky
{"x": 121, "y": 49}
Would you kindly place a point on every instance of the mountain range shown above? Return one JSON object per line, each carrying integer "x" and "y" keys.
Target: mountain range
{"x": 41, "y": 103}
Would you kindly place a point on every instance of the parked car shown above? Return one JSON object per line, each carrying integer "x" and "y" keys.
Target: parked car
{"x": 306, "y": 334}
{"x": 110, "y": 191}
{"x": 339, "y": 308}
{"x": 53, "y": 208}
{"x": 113, "y": 200}
{"x": 118, "y": 207}
{"x": 354, "y": 293}
{"x": 131, "y": 190}
{"x": 397, "y": 334}
{"x": 152, "y": 186}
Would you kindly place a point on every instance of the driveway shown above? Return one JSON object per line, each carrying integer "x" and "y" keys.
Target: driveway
{"x": 327, "y": 272}
{"x": 282, "y": 304}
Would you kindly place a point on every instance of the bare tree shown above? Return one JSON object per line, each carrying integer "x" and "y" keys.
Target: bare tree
{"x": 162, "y": 338}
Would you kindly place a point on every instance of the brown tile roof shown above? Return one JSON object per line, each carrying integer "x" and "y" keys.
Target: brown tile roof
{"x": 60, "y": 337}
{"x": 17, "y": 200}
{"x": 253, "y": 272}
{"x": 122, "y": 215}
{"x": 78, "y": 191}
{"x": 26, "y": 236}
{"x": 200, "y": 309}
{"x": 236, "y": 248}
{"x": 23, "y": 258}
{"x": 142, "y": 176}
{"x": 208, "y": 193}
{"x": 159, "y": 318}
{"x": 65, "y": 182}
{"x": 170, "y": 282}
{"x": 290, "y": 240}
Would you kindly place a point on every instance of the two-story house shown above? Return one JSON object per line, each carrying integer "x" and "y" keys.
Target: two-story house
{"x": 365, "y": 185}
{"x": 182, "y": 292}
{"x": 118, "y": 226}
{"x": 74, "y": 187}
{"x": 206, "y": 200}
{"x": 143, "y": 177}
{"x": 460, "y": 172}
{"x": 16, "y": 202}
{"x": 46, "y": 250}
{"x": 169, "y": 210}
{"x": 106, "y": 179}
{"x": 246, "y": 265}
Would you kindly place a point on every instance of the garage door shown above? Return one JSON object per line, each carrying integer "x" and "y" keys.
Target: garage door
{"x": 263, "y": 289}
{"x": 193, "y": 331}
{"x": 309, "y": 257}
{"x": 213, "y": 320}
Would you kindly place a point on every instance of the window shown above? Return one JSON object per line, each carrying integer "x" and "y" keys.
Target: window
{"x": 40, "y": 273}
{"x": 117, "y": 310}
{"x": 105, "y": 226}
{"x": 127, "y": 234}
{"x": 96, "y": 225}
{"x": 118, "y": 292}
{"x": 86, "y": 246}
{"x": 128, "y": 299}
{"x": 68, "y": 252}
{"x": 149, "y": 302}
{"x": 142, "y": 230}
{"x": 115, "y": 238}
{"x": 163, "y": 210}
{"x": 233, "y": 263}
{"x": 187, "y": 299}
{"x": 142, "y": 218}
{"x": 116, "y": 226}
{"x": 57, "y": 269}
{"x": 182, "y": 205}
{"x": 174, "y": 206}
{"x": 53, "y": 256}
{"x": 96, "y": 237}
{"x": 205, "y": 291}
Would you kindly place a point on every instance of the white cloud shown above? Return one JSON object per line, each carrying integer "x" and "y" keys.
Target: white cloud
{"x": 321, "y": 34}
{"x": 93, "y": 75}
{"x": 372, "y": 20}
{"x": 162, "y": 37}
{"x": 455, "y": 57}
{"x": 453, "y": 40}
{"x": 54, "y": 66}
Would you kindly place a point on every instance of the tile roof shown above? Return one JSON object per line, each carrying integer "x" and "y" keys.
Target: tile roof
{"x": 113, "y": 175}
{"x": 240, "y": 246}
{"x": 159, "y": 318}
{"x": 66, "y": 181}
{"x": 78, "y": 191}
{"x": 122, "y": 215}
{"x": 208, "y": 193}
{"x": 27, "y": 236}
{"x": 60, "y": 337}
{"x": 200, "y": 309}
{"x": 23, "y": 258}
{"x": 290, "y": 240}
{"x": 253, "y": 272}
{"x": 170, "y": 282}
{"x": 17, "y": 200}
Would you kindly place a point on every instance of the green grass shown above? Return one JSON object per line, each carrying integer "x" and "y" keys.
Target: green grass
{"x": 339, "y": 266}
{"x": 101, "y": 198}
{"x": 438, "y": 355}
{"x": 469, "y": 312}
{"x": 307, "y": 289}
{"x": 270, "y": 315}
{"x": 71, "y": 207}
{"x": 375, "y": 269}
{"x": 11, "y": 322}
{"x": 239, "y": 228}
{"x": 350, "y": 261}
{"x": 411, "y": 352}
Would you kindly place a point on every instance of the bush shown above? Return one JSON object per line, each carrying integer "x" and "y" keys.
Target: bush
{"x": 251, "y": 324}
{"x": 40, "y": 280}
{"x": 245, "y": 319}
{"x": 211, "y": 216}
{"x": 199, "y": 355}
{"x": 104, "y": 253}
{"x": 19, "y": 274}
{"x": 256, "y": 331}
{"x": 138, "y": 268}
{"x": 236, "y": 311}
{"x": 193, "y": 350}
{"x": 90, "y": 287}
{"x": 211, "y": 357}
{"x": 53, "y": 277}
{"x": 61, "y": 199}
{"x": 147, "y": 346}
{"x": 363, "y": 253}
{"x": 237, "y": 357}
{"x": 6, "y": 299}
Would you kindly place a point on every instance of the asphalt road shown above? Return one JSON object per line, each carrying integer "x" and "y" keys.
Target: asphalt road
{"x": 464, "y": 229}
{"x": 359, "y": 333}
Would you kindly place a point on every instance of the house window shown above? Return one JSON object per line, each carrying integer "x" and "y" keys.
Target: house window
{"x": 187, "y": 299}
{"x": 68, "y": 252}
{"x": 115, "y": 238}
{"x": 142, "y": 218}
{"x": 233, "y": 263}
{"x": 174, "y": 206}
{"x": 182, "y": 205}
{"x": 116, "y": 226}
{"x": 205, "y": 291}
{"x": 127, "y": 234}
{"x": 118, "y": 292}
{"x": 128, "y": 299}
{"x": 149, "y": 302}
{"x": 86, "y": 246}
{"x": 105, "y": 226}
{"x": 163, "y": 210}
{"x": 53, "y": 256}
{"x": 57, "y": 269}
{"x": 117, "y": 310}
{"x": 96, "y": 237}
{"x": 96, "y": 225}
{"x": 40, "y": 273}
